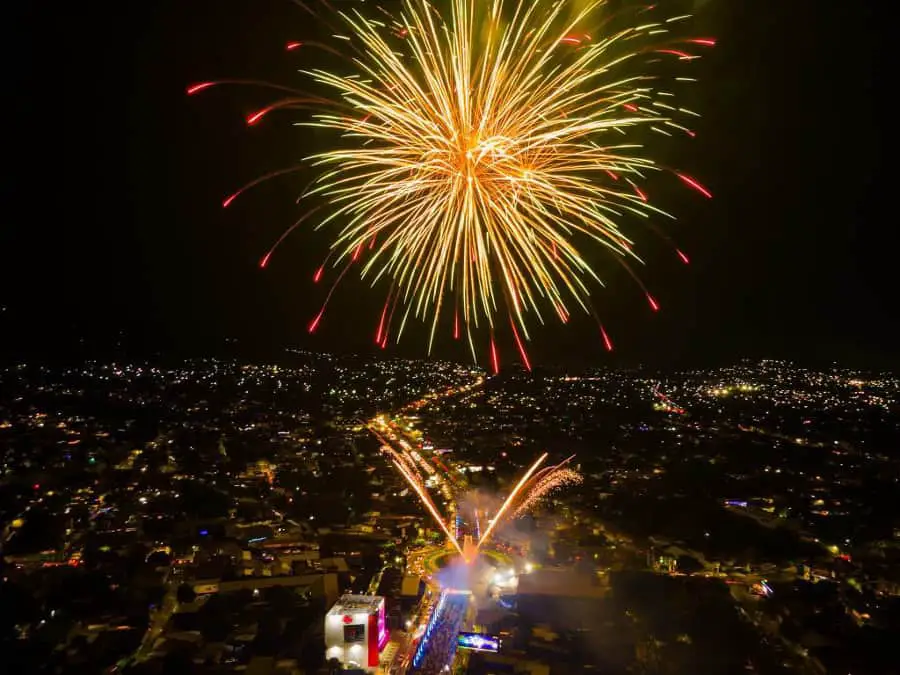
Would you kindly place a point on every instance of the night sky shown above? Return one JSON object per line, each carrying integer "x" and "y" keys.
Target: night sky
{"x": 112, "y": 218}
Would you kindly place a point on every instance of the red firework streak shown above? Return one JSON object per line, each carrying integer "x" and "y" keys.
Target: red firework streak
{"x": 606, "y": 341}
{"x": 256, "y": 181}
{"x": 519, "y": 344}
{"x": 495, "y": 360}
{"x": 284, "y": 235}
{"x": 379, "y": 334}
{"x": 292, "y": 102}
{"x": 390, "y": 317}
{"x": 456, "y": 325}
{"x": 200, "y": 86}
{"x": 675, "y": 52}
{"x": 694, "y": 184}
{"x": 315, "y": 322}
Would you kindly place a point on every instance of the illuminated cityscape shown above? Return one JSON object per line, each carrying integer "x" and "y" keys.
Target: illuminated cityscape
{"x": 215, "y": 512}
{"x": 449, "y": 337}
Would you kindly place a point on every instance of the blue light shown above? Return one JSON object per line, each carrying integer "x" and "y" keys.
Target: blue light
{"x": 420, "y": 652}
{"x": 478, "y": 642}
{"x": 203, "y": 533}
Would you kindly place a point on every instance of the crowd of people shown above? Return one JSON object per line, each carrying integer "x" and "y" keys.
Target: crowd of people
{"x": 442, "y": 642}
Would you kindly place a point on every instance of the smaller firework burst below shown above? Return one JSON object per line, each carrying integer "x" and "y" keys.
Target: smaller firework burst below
{"x": 544, "y": 485}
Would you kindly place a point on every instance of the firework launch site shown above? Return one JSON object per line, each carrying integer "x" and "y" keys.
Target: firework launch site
{"x": 473, "y": 565}
{"x": 513, "y": 579}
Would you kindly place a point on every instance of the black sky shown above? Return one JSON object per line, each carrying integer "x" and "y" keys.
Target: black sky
{"x": 112, "y": 217}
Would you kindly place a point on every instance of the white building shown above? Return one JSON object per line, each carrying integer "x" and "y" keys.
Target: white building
{"x": 355, "y": 632}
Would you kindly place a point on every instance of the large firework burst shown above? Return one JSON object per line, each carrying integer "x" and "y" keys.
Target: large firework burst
{"x": 483, "y": 149}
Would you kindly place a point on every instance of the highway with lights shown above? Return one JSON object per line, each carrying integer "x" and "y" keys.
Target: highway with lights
{"x": 450, "y": 605}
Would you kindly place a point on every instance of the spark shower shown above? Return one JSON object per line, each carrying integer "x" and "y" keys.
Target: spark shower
{"x": 484, "y": 153}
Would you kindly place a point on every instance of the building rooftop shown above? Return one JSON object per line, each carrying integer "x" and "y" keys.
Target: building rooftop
{"x": 349, "y": 604}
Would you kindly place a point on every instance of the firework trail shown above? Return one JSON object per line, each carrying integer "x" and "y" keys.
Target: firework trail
{"x": 484, "y": 154}
{"x": 429, "y": 505}
{"x": 510, "y": 499}
{"x": 551, "y": 481}
{"x": 406, "y": 462}
{"x": 544, "y": 482}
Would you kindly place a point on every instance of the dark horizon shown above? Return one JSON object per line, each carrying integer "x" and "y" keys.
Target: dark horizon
{"x": 113, "y": 217}
{"x": 121, "y": 347}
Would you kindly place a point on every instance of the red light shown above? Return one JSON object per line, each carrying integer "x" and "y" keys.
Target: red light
{"x": 194, "y": 88}
{"x": 521, "y": 347}
{"x": 348, "y": 618}
{"x": 606, "y": 341}
{"x": 694, "y": 184}
{"x": 256, "y": 117}
{"x": 36, "y": 486}
{"x": 315, "y": 322}
{"x": 495, "y": 360}
{"x": 381, "y": 332}
{"x": 291, "y": 46}
{"x": 674, "y": 52}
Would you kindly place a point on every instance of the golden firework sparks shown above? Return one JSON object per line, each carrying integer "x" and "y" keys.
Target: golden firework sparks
{"x": 485, "y": 149}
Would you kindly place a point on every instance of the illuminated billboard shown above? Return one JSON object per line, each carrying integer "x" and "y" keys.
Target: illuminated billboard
{"x": 477, "y": 642}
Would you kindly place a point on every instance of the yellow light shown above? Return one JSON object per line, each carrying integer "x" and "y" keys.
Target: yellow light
{"x": 485, "y": 148}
